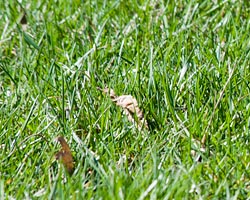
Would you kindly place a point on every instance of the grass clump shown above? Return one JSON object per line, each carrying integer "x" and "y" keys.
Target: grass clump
{"x": 186, "y": 63}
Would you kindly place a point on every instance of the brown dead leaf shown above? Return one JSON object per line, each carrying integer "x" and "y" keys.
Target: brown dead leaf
{"x": 65, "y": 155}
{"x": 130, "y": 107}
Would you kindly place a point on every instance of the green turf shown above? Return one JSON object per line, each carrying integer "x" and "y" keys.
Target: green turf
{"x": 186, "y": 63}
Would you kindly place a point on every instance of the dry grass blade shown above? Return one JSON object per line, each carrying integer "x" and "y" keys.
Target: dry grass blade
{"x": 65, "y": 155}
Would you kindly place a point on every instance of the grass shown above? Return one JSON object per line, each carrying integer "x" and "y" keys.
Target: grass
{"x": 186, "y": 63}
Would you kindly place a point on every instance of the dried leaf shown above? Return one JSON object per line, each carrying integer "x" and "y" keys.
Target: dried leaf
{"x": 130, "y": 107}
{"x": 65, "y": 155}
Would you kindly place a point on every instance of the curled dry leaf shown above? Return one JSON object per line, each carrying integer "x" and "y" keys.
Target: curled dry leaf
{"x": 65, "y": 155}
{"x": 130, "y": 107}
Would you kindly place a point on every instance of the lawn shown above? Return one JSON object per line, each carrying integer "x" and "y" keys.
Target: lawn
{"x": 187, "y": 65}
